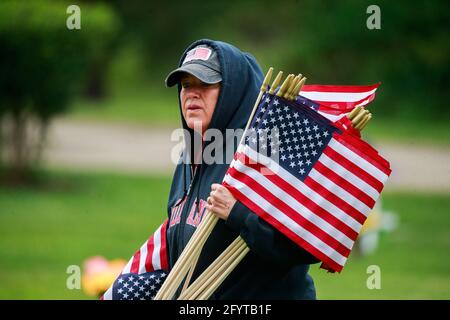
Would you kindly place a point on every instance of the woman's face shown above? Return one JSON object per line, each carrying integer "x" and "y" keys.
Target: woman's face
{"x": 198, "y": 101}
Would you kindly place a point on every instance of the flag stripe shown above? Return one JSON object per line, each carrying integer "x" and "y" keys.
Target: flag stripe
{"x": 163, "y": 250}
{"x": 152, "y": 255}
{"x": 108, "y": 294}
{"x": 135, "y": 263}
{"x": 279, "y": 220}
{"x": 127, "y": 268}
{"x": 344, "y": 184}
{"x": 156, "y": 259}
{"x": 335, "y": 200}
{"x": 339, "y": 191}
{"x": 336, "y": 97}
{"x": 143, "y": 258}
{"x": 352, "y": 167}
{"x": 364, "y": 161}
{"x": 310, "y": 199}
{"x": 347, "y": 175}
{"x": 335, "y": 88}
{"x": 294, "y": 210}
{"x": 149, "y": 258}
{"x": 280, "y": 176}
{"x": 339, "y": 107}
{"x": 331, "y": 117}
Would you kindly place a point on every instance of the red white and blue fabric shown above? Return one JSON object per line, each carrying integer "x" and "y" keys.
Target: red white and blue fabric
{"x": 333, "y": 102}
{"x": 310, "y": 180}
{"x": 145, "y": 272}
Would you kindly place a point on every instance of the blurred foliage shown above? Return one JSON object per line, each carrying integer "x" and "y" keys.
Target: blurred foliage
{"x": 44, "y": 64}
{"x": 327, "y": 41}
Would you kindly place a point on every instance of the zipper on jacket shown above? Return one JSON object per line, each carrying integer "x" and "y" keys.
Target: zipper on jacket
{"x": 187, "y": 206}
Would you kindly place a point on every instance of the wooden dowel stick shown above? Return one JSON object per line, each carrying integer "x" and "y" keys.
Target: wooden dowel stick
{"x": 302, "y": 82}
{"x": 296, "y": 90}
{"x": 284, "y": 86}
{"x": 170, "y": 279}
{"x": 276, "y": 82}
{"x": 168, "y": 290}
{"x": 290, "y": 91}
{"x": 290, "y": 87}
{"x": 359, "y": 117}
{"x": 368, "y": 119}
{"x": 191, "y": 270}
{"x": 262, "y": 89}
{"x": 209, "y": 271}
{"x": 363, "y": 122}
{"x": 219, "y": 281}
{"x": 353, "y": 113}
{"x": 223, "y": 259}
{"x": 206, "y": 282}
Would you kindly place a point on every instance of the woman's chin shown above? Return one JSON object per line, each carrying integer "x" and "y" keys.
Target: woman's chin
{"x": 195, "y": 123}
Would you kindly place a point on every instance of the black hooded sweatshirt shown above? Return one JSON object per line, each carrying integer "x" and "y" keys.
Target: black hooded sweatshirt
{"x": 275, "y": 267}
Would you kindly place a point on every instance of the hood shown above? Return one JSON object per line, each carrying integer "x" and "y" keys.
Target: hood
{"x": 241, "y": 81}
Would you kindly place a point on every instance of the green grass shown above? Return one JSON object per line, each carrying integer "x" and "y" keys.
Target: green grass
{"x": 414, "y": 259}
{"x": 44, "y": 230}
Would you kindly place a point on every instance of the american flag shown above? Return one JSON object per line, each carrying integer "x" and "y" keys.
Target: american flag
{"x": 198, "y": 53}
{"x": 145, "y": 272}
{"x": 334, "y": 102}
{"x": 310, "y": 180}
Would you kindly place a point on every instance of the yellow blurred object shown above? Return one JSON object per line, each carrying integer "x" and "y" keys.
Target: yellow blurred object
{"x": 373, "y": 221}
{"x": 99, "y": 274}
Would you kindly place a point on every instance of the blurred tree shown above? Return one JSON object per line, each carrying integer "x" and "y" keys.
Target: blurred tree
{"x": 44, "y": 65}
{"x": 327, "y": 41}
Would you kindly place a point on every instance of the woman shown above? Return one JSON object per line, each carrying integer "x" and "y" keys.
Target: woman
{"x": 217, "y": 87}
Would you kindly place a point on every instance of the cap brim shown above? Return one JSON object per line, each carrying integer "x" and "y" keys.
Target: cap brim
{"x": 205, "y": 74}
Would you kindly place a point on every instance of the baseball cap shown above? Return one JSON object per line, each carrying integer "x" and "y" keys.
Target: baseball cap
{"x": 202, "y": 62}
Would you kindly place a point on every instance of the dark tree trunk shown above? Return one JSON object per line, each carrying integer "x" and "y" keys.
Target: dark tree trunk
{"x": 18, "y": 140}
{"x": 43, "y": 125}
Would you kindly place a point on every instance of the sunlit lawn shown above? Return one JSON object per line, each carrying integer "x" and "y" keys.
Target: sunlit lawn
{"x": 44, "y": 230}
{"x": 414, "y": 260}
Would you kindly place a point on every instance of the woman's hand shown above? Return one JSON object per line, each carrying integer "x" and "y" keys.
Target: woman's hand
{"x": 220, "y": 201}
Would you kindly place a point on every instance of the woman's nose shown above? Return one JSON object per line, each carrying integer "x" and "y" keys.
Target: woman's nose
{"x": 193, "y": 92}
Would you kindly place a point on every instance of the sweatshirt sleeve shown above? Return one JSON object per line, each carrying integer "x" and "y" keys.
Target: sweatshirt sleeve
{"x": 265, "y": 240}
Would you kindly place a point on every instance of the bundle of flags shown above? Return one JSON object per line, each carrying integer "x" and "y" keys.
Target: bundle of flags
{"x": 306, "y": 175}
{"x": 303, "y": 168}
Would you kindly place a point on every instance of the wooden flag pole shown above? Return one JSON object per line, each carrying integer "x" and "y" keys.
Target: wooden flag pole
{"x": 211, "y": 275}
{"x": 191, "y": 269}
{"x": 222, "y": 277}
{"x": 222, "y": 259}
{"x": 179, "y": 271}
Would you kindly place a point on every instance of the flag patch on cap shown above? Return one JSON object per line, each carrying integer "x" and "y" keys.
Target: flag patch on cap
{"x": 198, "y": 54}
